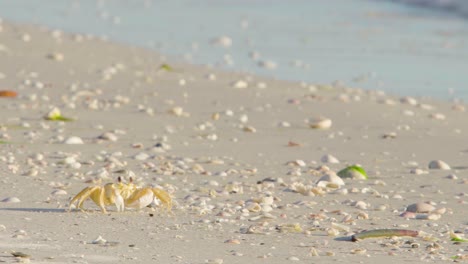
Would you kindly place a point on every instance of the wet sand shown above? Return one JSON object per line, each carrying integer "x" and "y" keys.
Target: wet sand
{"x": 238, "y": 154}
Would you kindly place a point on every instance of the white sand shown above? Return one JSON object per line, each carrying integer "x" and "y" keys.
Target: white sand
{"x": 388, "y": 138}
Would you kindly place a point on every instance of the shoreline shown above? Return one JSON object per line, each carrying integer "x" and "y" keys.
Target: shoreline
{"x": 237, "y": 152}
{"x": 368, "y": 45}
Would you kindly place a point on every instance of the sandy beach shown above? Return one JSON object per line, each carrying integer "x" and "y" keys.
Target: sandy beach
{"x": 249, "y": 162}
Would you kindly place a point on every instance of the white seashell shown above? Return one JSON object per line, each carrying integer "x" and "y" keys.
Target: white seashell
{"x": 53, "y": 113}
{"x": 329, "y": 159}
{"x": 99, "y": 240}
{"x": 268, "y": 200}
{"x": 418, "y": 171}
{"x": 11, "y": 200}
{"x": 437, "y": 116}
{"x": 141, "y": 156}
{"x": 223, "y": 41}
{"x": 267, "y": 208}
{"x": 177, "y": 111}
{"x": 59, "y": 192}
{"x": 321, "y": 123}
{"x": 330, "y": 180}
{"x": 108, "y": 136}
{"x": 428, "y": 216}
{"x": 420, "y": 208}
{"x": 240, "y": 84}
{"x": 73, "y": 141}
{"x": 438, "y": 165}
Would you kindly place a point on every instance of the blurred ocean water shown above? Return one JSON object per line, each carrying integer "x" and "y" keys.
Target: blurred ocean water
{"x": 392, "y": 45}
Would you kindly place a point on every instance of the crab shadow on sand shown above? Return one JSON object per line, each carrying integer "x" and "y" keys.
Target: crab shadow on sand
{"x": 36, "y": 210}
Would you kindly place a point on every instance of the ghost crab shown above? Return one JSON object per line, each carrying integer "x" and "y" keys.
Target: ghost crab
{"x": 122, "y": 195}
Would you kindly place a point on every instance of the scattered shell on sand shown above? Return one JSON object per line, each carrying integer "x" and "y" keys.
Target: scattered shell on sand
{"x": 108, "y": 136}
{"x": 73, "y": 141}
{"x": 438, "y": 165}
{"x": 420, "y": 208}
{"x": 11, "y": 200}
{"x": 320, "y": 123}
{"x": 330, "y": 180}
{"x": 99, "y": 241}
{"x": 56, "y": 56}
{"x": 223, "y": 41}
{"x": 240, "y": 84}
{"x": 329, "y": 159}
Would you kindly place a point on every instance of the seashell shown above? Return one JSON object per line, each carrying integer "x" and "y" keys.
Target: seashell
{"x": 253, "y": 207}
{"x": 73, "y": 141}
{"x": 249, "y": 129}
{"x": 330, "y": 180}
{"x": 428, "y": 216}
{"x": 438, "y": 165}
{"x": 409, "y": 215}
{"x": 329, "y": 159}
{"x": 233, "y": 241}
{"x": 320, "y": 123}
{"x": 267, "y": 200}
{"x": 267, "y": 208}
{"x": 108, "y": 136}
{"x": 177, "y": 111}
{"x": 99, "y": 240}
{"x": 223, "y": 41}
{"x": 420, "y": 208}
{"x": 341, "y": 227}
{"x": 56, "y": 56}
{"x": 11, "y": 200}
{"x": 267, "y": 64}
{"x": 289, "y": 228}
{"x": 141, "y": 156}
{"x": 59, "y": 192}
{"x": 437, "y": 116}
{"x": 362, "y": 215}
{"x": 240, "y": 84}
{"x": 408, "y": 100}
{"x": 8, "y": 93}
{"x": 418, "y": 171}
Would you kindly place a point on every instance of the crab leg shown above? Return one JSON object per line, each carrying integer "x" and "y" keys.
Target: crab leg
{"x": 164, "y": 197}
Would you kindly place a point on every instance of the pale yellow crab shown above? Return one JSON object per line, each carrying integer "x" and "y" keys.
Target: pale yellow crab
{"x": 122, "y": 195}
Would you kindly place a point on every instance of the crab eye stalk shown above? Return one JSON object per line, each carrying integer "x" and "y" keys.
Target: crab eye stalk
{"x": 119, "y": 179}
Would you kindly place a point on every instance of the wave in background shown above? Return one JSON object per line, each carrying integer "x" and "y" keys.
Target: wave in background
{"x": 372, "y": 44}
{"x": 459, "y": 7}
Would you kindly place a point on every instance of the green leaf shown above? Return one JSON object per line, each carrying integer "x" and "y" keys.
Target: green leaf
{"x": 166, "y": 67}
{"x": 4, "y": 142}
{"x": 354, "y": 171}
{"x": 458, "y": 239}
{"x": 60, "y": 118}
